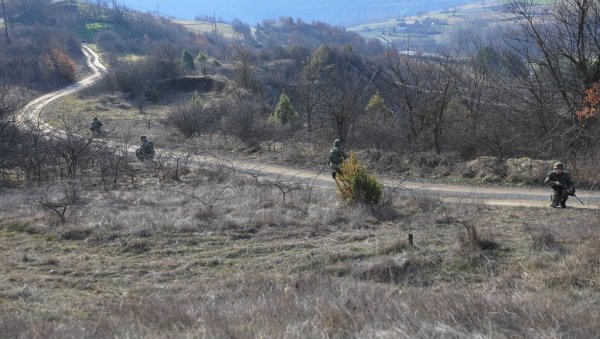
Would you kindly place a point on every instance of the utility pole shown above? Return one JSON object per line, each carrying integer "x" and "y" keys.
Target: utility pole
{"x": 214, "y": 21}
{"x": 157, "y": 12}
{"x": 5, "y": 23}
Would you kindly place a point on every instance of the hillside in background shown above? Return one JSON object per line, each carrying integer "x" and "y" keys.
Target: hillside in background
{"x": 428, "y": 30}
{"x": 337, "y": 12}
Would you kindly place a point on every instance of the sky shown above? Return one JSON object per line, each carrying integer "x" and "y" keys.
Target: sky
{"x": 337, "y": 12}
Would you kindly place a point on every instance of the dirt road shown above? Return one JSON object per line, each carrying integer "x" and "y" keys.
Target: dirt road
{"x": 31, "y": 115}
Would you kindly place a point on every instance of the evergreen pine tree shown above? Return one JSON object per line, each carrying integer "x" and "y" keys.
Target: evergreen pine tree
{"x": 188, "y": 60}
{"x": 377, "y": 109}
{"x": 284, "y": 113}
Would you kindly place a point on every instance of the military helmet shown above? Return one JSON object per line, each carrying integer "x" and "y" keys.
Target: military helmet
{"x": 337, "y": 143}
{"x": 95, "y": 118}
{"x": 143, "y": 137}
{"x": 559, "y": 165}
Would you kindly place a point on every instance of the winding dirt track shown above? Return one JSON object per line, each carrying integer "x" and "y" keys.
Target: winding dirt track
{"x": 31, "y": 114}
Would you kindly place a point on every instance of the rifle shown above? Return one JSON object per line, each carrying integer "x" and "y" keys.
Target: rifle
{"x": 575, "y": 195}
{"x": 571, "y": 191}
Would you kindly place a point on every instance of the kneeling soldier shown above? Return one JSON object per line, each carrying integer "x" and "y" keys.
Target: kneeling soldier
{"x": 561, "y": 183}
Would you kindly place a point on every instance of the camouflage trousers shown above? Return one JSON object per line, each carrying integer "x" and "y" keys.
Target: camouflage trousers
{"x": 335, "y": 170}
{"x": 559, "y": 197}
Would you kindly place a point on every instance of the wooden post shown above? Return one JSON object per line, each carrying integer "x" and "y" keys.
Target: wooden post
{"x": 411, "y": 239}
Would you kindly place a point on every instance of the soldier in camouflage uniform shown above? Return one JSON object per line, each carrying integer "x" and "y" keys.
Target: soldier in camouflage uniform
{"x": 96, "y": 127}
{"x": 146, "y": 150}
{"x": 561, "y": 183}
{"x": 336, "y": 157}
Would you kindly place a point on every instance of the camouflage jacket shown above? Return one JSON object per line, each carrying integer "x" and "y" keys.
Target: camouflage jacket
{"x": 96, "y": 125}
{"x": 336, "y": 157}
{"x": 564, "y": 178}
{"x": 147, "y": 147}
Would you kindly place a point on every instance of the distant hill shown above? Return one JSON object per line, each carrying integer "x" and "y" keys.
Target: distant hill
{"x": 429, "y": 29}
{"x": 337, "y": 12}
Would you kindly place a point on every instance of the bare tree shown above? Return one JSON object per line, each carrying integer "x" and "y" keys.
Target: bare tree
{"x": 561, "y": 45}
{"x": 69, "y": 194}
{"x": 244, "y": 60}
{"x": 246, "y": 116}
{"x": 308, "y": 90}
{"x": 426, "y": 88}
{"x": 561, "y": 42}
{"x": 72, "y": 150}
{"x": 346, "y": 84}
{"x": 10, "y": 137}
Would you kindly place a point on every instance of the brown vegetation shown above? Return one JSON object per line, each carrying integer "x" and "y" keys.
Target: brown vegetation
{"x": 168, "y": 249}
{"x": 149, "y": 261}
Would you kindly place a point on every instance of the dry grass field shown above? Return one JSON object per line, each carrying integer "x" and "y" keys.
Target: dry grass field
{"x": 223, "y": 29}
{"x": 217, "y": 254}
{"x": 474, "y": 15}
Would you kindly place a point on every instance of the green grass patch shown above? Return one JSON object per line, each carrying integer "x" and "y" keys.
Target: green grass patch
{"x": 87, "y": 30}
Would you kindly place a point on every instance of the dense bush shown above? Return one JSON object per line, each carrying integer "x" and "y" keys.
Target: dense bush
{"x": 110, "y": 42}
{"x": 57, "y": 64}
{"x": 356, "y": 185}
{"x": 245, "y": 120}
{"x": 194, "y": 117}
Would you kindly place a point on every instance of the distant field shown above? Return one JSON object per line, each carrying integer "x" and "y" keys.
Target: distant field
{"x": 474, "y": 15}
{"x": 206, "y": 27}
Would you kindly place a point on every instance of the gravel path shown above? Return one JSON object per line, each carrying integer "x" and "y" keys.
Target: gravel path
{"x": 496, "y": 196}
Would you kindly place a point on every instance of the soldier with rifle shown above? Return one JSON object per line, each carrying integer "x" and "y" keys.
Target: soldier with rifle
{"x": 336, "y": 157}
{"x": 146, "y": 150}
{"x": 561, "y": 184}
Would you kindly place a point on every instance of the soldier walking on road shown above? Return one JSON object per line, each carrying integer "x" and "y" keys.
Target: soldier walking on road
{"x": 336, "y": 157}
{"x": 561, "y": 183}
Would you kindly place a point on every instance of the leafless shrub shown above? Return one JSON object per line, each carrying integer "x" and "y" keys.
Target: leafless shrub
{"x": 391, "y": 270}
{"x": 69, "y": 194}
{"x": 423, "y": 202}
{"x": 112, "y": 166}
{"x": 210, "y": 197}
{"x": 285, "y": 185}
{"x": 544, "y": 240}
{"x": 171, "y": 166}
{"x": 72, "y": 152}
{"x": 472, "y": 240}
{"x": 245, "y": 117}
{"x": 195, "y": 117}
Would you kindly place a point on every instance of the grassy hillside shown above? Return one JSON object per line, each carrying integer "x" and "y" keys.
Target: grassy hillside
{"x": 206, "y": 27}
{"x": 437, "y": 25}
{"x": 156, "y": 259}
{"x": 337, "y": 12}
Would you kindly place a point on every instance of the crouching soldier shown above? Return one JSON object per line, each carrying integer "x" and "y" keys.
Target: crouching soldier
{"x": 336, "y": 157}
{"x": 561, "y": 183}
{"x": 146, "y": 150}
{"x": 96, "y": 127}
